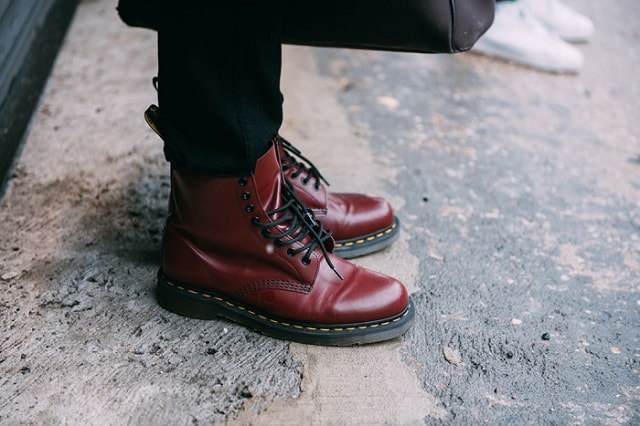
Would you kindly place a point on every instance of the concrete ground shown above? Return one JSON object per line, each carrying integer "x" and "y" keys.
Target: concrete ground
{"x": 519, "y": 196}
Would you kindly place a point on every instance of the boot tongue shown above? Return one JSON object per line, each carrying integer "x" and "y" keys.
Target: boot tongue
{"x": 268, "y": 180}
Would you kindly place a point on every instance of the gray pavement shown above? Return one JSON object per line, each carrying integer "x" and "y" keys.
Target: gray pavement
{"x": 519, "y": 196}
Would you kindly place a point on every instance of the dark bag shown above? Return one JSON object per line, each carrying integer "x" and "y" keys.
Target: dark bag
{"x": 428, "y": 26}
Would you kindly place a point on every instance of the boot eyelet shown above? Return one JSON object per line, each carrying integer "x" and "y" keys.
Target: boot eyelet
{"x": 305, "y": 261}
{"x": 290, "y": 252}
{"x": 265, "y": 233}
{"x": 243, "y": 181}
{"x": 249, "y": 208}
{"x": 255, "y": 220}
{"x": 246, "y": 195}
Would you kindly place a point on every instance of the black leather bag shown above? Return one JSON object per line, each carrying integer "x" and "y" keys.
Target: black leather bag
{"x": 428, "y": 26}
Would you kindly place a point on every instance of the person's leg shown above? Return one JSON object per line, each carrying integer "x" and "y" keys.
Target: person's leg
{"x": 195, "y": 105}
{"x": 361, "y": 224}
{"x": 219, "y": 80}
{"x": 238, "y": 242}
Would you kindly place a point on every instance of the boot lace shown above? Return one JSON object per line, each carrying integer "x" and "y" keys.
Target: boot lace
{"x": 300, "y": 223}
{"x": 294, "y": 160}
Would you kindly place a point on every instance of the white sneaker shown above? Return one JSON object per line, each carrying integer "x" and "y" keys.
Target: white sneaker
{"x": 516, "y": 36}
{"x": 561, "y": 20}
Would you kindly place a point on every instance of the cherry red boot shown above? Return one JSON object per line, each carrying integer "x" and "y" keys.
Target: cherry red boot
{"x": 360, "y": 224}
{"x": 247, "y": 249}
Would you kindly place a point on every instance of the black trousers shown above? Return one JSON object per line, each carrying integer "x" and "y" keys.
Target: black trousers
{"x": 219, "y": 82}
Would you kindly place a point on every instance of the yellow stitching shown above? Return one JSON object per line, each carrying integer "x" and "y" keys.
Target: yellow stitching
{"x": 299, "y": 327}
{"x": 369, "y": 238}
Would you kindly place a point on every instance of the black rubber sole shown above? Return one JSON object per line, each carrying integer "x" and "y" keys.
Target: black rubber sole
{"x": 367, "y": 244}
{"x": 195, "y": 303}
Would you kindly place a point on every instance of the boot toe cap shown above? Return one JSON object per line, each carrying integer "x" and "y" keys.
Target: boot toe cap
{"x": 353, "y": 215}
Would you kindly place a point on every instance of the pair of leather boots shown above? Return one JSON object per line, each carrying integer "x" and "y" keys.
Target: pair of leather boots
{"x": 267, "y": 250}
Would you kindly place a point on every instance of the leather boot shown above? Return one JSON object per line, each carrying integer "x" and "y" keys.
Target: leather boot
{"x": 360, "y": 224}
{"x": 247, "y": 249}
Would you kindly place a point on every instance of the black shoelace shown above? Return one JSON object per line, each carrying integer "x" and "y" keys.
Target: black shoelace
{"x": 290, "y": 161}
{"x": 300, "y": 223}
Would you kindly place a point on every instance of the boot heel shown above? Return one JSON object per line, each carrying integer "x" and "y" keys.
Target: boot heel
{"x": 184, "y": 302}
